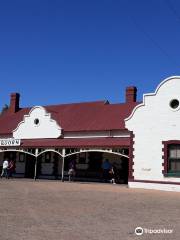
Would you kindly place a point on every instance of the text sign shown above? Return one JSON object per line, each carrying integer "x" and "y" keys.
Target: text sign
{"x": 10, "y": 142}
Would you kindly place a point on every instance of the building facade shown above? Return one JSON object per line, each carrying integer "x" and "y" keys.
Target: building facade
{"x": 141, "y": 139}
{"x": 155, "y": 131}
{"x": 44, "y": 140}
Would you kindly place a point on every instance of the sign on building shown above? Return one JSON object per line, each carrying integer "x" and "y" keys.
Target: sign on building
{"x": 10, "y": 142}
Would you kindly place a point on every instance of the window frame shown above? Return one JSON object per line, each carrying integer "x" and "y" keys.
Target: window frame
{"x": 166, "y": 172}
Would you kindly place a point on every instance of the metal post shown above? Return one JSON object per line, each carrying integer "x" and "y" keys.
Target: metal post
{"x": 63, "y": 156}
{"x": 35, "y": 167}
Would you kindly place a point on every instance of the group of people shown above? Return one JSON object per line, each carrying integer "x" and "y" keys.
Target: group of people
{"x": 7, "y": 168}
{"x": 109, "y": 171}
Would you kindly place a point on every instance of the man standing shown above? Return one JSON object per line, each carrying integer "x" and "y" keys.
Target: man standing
{"x": 106, "y": 167}
{"x": 5, "y": 169}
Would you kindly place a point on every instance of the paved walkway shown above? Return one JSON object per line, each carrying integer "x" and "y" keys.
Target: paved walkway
{"x": 50, "y": 210}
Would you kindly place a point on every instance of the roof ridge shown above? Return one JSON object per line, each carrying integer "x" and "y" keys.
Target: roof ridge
{"x": 103, "y": 102}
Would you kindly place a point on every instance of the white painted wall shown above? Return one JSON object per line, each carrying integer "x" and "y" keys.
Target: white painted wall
{"x": 47, "y": 127}
{"x": 153, "y": 122}
{"x": 97, "y": 134}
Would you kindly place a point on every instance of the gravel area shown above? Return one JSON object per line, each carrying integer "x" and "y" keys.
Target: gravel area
{"x": 50, "y": 210}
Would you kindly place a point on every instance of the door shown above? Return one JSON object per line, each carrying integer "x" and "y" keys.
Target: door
{"x": 30, "y": 166}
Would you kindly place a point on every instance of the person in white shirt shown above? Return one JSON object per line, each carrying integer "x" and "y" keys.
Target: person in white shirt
{"x": 5, "y": 169}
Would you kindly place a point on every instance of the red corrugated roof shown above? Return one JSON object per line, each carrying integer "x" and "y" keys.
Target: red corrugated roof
{"x": 94, "y": 142}
{"x": 92, "y": 116}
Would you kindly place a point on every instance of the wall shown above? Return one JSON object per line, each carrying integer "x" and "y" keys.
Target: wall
{"x": 48, "y": 168}
{"x": 152, "y": 122}
{"x": 20, "y": 166}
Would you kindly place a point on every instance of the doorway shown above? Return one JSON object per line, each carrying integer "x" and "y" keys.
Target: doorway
{"x": 30, "y": 166}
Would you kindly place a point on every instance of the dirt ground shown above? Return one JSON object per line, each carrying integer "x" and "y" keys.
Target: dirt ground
{"x": 78, "y": 211}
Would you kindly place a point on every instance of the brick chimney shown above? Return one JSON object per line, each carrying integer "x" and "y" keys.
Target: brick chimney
{"x": 131, "y": 93}
{"x": 14, "y": 102}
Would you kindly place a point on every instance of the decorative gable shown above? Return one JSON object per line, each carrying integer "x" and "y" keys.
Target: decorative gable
{"x": 37, "y": 124}
{"x": 159, "y": 113}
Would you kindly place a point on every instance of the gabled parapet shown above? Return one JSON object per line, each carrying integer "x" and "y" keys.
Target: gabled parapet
{"x": 37, "y": 124}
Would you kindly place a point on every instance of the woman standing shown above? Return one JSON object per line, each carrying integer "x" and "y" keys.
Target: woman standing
{"x": 11, "y": 168}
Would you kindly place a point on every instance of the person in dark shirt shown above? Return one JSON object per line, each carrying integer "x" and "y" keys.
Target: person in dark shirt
{"x": 106, "y": 167}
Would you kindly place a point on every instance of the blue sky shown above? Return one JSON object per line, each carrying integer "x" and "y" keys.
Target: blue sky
{"x": 74, "y": 50}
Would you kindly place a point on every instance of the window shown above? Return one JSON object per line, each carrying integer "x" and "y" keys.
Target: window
{"x": 174, "y": 104}
{"x": 21, "y": 157}
{"x": 36, "y": 121}
{"x": 174, "y": 158}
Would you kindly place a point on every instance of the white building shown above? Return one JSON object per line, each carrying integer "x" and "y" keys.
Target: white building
{"x": 142, "y": 139}
{"x": 155, "y": 127}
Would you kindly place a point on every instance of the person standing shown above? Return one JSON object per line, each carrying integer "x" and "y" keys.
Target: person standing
{"x": 113, "y": 173}
{"x": 5, "y": 169}
{"x": 11, "y": 168}
{"x": 71, "y": 171}
{"x": 106, "y": 167}
{"x": 71, "y": 174}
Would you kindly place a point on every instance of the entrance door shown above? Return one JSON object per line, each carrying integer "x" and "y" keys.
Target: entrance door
{"x": 30, "y": 166}
{"x": 124, "y": 171}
